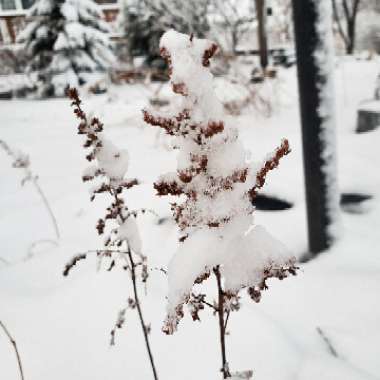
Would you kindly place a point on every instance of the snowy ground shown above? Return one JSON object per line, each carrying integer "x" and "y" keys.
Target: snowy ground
{"x": 62, "y": 324}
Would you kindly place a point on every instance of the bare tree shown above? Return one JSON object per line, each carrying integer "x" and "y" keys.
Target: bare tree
{"x": 345, "y": 15}
{"x": 282, "y": 25}
{"x": 235, "y": 19}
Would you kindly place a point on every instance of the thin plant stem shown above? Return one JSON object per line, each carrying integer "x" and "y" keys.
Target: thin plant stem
{"x": 36, "y": 243}
{"x": 226, "y": 321}
{"x": 222, "y": 325}
{"x": 25, "y": 165}
{"x": 14, "y": 344}
{"x": 137, "y": 300}
{"x": 5, "y": 262}
{"x": 48, "y": 208}
{"x": 143, "y": 325}
{"x": 329, "y": 345}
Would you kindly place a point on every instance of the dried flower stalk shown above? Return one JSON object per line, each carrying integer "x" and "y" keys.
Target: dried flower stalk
{"x": 123, "y": 241}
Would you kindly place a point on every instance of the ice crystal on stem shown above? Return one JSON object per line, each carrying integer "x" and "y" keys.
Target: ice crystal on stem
{"x": 217, "y": 185}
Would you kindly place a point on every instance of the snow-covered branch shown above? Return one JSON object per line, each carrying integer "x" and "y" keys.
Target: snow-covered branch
{"x": 109, "y": 166}
{"x": 217, "y": 184}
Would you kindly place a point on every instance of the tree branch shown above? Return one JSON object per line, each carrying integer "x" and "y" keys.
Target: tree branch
{"x": 346, "y": 10}
{"x": 355, "y": 8}
{"x": 338, "y": 23}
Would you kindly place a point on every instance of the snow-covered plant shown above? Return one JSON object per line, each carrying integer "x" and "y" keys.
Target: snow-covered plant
{"x": 217, "y": 185}
{"x": 108, "y": 168}
{"x": 65, "y": 39}
{"x": 141, "y": 29}
{"x": 21, "y": 161}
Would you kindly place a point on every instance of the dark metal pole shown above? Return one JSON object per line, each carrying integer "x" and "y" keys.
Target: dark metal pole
{"x": 317, "y": 155}
{"x": 261, "y": 12}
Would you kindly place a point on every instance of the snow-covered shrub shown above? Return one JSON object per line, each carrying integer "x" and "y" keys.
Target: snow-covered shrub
{"x": 108, "y": 168}
{"x": 217, "y": 185}
{"x": 65, "y": 39}
{"x": 144, "y": 22}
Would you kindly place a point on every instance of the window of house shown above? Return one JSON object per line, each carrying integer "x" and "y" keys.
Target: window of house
{"x": 7, "y": 4}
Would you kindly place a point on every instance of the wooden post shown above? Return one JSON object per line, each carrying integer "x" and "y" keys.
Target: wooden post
{"x": 261, "y": 11}
{"x": 317, "y": 126}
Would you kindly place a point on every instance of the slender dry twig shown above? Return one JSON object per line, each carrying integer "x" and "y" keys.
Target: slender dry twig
{"x": 47, "y": 206}
{"x": 139, "y": 310}
{"x": 14, "y": 344}
{"x": 36, "y": 243}
{"x": 210, "y": 305}
{"x": 222, "y": 324}
{"x": 21, "y": 161}
{"x": 83, "y": 255}
{"x": 5, "y": 262}
{"x": 226, "y": 321}
{"x": 329, "y": 345}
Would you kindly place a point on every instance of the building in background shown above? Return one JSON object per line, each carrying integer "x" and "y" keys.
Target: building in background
{"x": 13, "y": 16}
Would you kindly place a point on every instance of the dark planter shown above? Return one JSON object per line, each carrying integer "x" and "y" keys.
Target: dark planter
{"x": 368, "y": 119}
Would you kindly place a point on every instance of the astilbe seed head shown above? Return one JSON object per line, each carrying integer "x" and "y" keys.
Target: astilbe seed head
{"x": 102, "y": 151}
{"x": 212, "y": 197}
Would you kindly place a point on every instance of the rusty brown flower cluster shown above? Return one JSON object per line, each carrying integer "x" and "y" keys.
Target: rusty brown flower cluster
{"x": 92, "y": 129}
{"x": 117, "y": 246}
{"x": 198, "y": 183}
{"x": 272, "y": 271}
{"x": 270, "y": 164}
{"x": 182, "y": 125}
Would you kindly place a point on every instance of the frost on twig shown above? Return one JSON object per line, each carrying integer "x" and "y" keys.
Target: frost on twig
{"x": 217, "y": 185}
{"x": 107, "y": 171}
{"x": 22, "y": 161}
